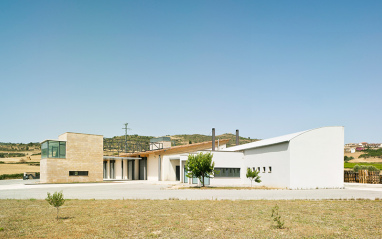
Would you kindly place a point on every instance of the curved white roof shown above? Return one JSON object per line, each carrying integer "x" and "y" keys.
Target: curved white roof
{"x": 265, "y": 142}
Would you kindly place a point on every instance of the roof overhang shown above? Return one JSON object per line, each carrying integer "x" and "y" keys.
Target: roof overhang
{"x": 178, "y": 149}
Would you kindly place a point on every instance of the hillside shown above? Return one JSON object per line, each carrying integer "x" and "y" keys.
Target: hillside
{"x": 183, "y": 139}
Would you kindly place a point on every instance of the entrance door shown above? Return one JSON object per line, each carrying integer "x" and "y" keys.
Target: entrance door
{"x": 131, "y": 169}
{"x": 177, "y": 171}
{"x": 104, "y": 169}
{"x": 206, "y": 181}
{"x": 112, "y": 163}
{"x": 185, "y": 179}
{"x": 142, "y": 168}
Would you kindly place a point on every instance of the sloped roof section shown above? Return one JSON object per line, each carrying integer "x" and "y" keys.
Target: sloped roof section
{"x": 178, "y": 149}
{"x": 265, "y": 142}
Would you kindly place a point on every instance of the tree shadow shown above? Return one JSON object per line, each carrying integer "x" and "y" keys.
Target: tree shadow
{"x": 65, "y": 218}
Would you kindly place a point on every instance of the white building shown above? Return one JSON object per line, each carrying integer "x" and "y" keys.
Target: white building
{"x": 304, "y": 160}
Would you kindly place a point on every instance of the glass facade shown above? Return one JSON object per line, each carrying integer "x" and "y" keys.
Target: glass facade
{"x": 53, "y": 149}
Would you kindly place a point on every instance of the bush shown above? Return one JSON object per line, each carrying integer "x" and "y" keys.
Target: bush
{"x": 346, "y": 158}
{"x": 11, "y": 176}
{"x": 370, "y": 168}
{"x": 56, "y": 200}
{"x": 277, "y": 218}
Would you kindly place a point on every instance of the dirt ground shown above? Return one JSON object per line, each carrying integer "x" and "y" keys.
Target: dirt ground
{"x": 17, "y": 168}
{"x": 190, "y": 219}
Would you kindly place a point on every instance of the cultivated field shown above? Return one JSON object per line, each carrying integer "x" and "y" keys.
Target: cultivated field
{"x": 190, "y": 219}
{"x": 17, "y": 168}
{"x": 9, "y": 166}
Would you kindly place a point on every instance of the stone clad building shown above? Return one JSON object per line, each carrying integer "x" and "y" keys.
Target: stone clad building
{"x": 73, "y": 157}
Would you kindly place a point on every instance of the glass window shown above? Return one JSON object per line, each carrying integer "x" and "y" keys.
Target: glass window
{"x": 78, "y": 173}
{"x": 53, "y": 149}
{"x": 270, "y": 170}
{"x": 62, "y": 150}
{"x": 44, "y": 150}
{"x": 227, "y": 172}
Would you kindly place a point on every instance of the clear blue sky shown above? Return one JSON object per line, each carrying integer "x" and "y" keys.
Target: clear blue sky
{"x": 267, "y": 68}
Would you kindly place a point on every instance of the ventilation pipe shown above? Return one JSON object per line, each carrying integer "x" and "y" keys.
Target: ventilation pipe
{"x": 213, "y": 139}
{"x": 237, "y": 137}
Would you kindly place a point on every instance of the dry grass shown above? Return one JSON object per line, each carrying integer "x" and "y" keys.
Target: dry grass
{"x": 190, "y": 219}
{"x": 17, "y": 168}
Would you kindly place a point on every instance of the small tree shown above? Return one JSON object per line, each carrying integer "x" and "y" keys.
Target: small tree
{"x": 200, "y": 166}
{"x": 253, "y": 175}
{"x": 56, "y": 200}
{"x": 277, "y": 218}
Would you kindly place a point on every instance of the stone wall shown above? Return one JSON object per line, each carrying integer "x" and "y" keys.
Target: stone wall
{"x": 84, "y": 152}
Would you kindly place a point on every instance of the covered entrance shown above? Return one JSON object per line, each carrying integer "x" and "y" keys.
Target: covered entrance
{"x": 124, "y": 168}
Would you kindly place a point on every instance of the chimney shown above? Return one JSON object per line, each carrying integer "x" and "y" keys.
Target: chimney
{"x": 237, "y": 137}
{"x": 213, "y": 139}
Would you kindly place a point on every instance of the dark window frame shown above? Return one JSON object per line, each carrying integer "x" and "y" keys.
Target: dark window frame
{"x": 78, "y": 173}
{"x": 227, "y": 173}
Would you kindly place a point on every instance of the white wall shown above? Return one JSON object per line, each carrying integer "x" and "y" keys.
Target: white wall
{"x": 275, "y": 156}
{"x": 317, "y": 159}
{"x": 229, "y": 160}
{"x": 152, "y": 168}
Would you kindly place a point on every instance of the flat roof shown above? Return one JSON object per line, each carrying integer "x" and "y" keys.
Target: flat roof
{"x": 115, "y": 157}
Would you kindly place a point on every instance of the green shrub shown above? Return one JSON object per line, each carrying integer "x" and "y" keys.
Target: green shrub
{"x": 370, "y": 168}
{"x": 277, "y": 218}
{"x": 56, "y": 200}
{"x": 11, "y": 176}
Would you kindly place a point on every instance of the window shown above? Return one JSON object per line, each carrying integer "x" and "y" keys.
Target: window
{"x": 263, "y": 169}
{"x": 258, "y": 169}
{"x": 270, "y": 169}
{"x": 53, "y": 149}
{"x": 78, "y": 173}
{"x": 44, "y": 150}
{"x": 227, "y": 172}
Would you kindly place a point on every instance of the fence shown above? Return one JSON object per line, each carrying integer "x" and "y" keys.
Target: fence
{"x": 362, "y": 176}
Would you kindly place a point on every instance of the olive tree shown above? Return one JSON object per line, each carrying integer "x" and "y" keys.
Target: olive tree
{"x": 200, "y": 166}
{"x": 253, "y": 175}
{"x": 56, "y": 200}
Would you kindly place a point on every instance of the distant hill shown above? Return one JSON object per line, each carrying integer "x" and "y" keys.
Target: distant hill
{"x": 12, "y": 147}
{"x": 183, "y": 139}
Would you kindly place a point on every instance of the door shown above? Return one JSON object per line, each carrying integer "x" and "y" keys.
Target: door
{"x": 185, "y": 179}
{"x": 131, "y": 169}
{"x": 104, "y": 169}
{"x": 206, "y": 181}
{"x": 177, "y": 171}
{"x": 142, "y": 168}
{"x": 112, "y": 163}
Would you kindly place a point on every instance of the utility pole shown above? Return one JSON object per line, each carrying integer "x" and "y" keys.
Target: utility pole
{"x": 126, "y": 136}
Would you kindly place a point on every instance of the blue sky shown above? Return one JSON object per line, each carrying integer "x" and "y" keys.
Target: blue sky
{"x": 267, "y": 68}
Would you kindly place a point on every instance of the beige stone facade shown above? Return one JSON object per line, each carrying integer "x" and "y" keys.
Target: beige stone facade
{"x": 84, "y": 153}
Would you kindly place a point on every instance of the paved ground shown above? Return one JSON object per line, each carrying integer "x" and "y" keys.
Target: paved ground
{"x": 19, "y": 189}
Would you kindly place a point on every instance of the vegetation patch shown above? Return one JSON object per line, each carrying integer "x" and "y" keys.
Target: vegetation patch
{"x": 351, "y": 165}
{"x": 11, "y": 176}
{"x": 191, "y": 219}
{"x": 11, "y": 155}
{"x": 371, "y": 153}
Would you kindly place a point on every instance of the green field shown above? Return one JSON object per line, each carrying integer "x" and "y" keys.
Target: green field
{"x": 351, "y": 165}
